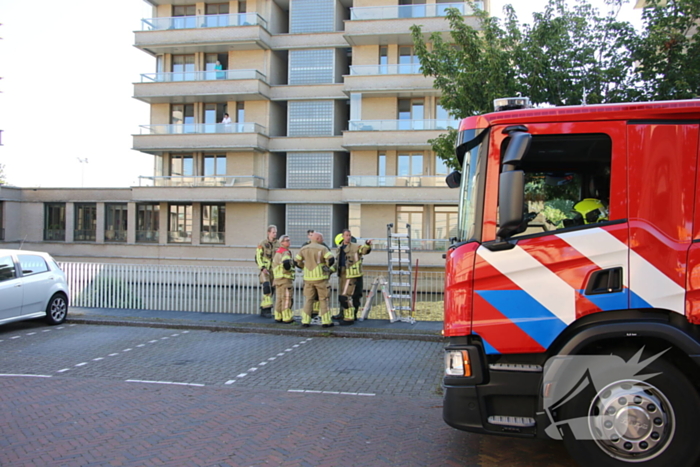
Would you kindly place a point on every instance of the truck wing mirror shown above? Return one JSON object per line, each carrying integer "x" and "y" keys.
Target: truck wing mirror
{"x": 511, "y": 185}
{"x": 454, "y": 179}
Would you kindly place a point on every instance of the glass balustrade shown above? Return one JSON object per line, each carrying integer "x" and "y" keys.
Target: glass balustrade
{"x": 417, "y": 244}
{"x": 205, "y": 181}
{"x": 399, "y": 125}
{"x": 393, "y": 69}
{"x": 410, "y": 11}
{"x": 196, "y": 128}
{"x": 202, "y": 21}
{"x": 210, "y": 75}
{"x": 396, "y": 181}
{"x": 147, "y": 236}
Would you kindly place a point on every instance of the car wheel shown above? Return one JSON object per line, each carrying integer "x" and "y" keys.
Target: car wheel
{"x": 57, "y": 309}
{"x": 640, "y": 423}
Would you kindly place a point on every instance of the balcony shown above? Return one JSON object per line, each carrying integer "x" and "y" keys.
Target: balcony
{"x": 389, "y": 80}
{"x": 217, "y": 33}
{"x": 395, "y": 180}
{"x": 378, "y": 24}
{"x": 156, "y": 139}
{"x": 400, "y": 125}
{"x": 393, "y": 189}
{"x": 202, "y": 21}
{"x": 209, "y": 86}
{"x": 393, "y": 134}
{"x": 206, "y": 181}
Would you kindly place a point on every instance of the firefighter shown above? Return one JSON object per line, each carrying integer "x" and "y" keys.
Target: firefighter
{"x": 263, "y": 257}
{"x": 317, "y": 262}
{"x": 283, "y": 272}
{"x": 350, "y": 270}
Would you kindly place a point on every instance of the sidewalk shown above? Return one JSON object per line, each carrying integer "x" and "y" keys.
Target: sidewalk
{"x": 371, "y": 328}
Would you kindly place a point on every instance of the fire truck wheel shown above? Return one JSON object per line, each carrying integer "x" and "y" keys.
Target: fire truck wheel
{"x": 642, "y": 423}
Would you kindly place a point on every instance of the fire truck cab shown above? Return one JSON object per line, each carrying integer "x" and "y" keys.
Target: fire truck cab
{"x": 578, "y": 239}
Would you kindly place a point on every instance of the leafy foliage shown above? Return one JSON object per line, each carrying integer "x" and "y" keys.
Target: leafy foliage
{"x": 2, "y": 174}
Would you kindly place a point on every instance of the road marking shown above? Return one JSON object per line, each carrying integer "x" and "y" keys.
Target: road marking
{"x": 63, "y": 370}
{"x": 270, "y": 359}
{"x": 113, "y": 355}
{"x": 15, "y": 337}
{"x": 141, "y": 345}
{"x": 335, "y": 393}
{"x": 98, "y": 359}
{"x": 152, "y": 342}
{"x": 31, "y": 333}
{"x": 81, "y": 364}
{"x": 26, "y": 376}
{"x": 231, "y": 381}
{"x": 242, "y": 375}
{"x": 253, "y": 369}
{"x": 126, "y": 350}
{"x": 262, "y": 363}
{"x": 164, "y": 382}
{"x": 46, "y": 330}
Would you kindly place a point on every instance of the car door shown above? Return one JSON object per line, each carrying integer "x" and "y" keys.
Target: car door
{"x": 37, "y": 283}
{"x": 10, "y": 289}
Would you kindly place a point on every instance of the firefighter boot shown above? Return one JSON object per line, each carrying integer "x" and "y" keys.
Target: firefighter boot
{"x": 287, "y": 316}
{"x": 326, "y": 320}
{"x": 348, "y": 317}
{"x": 278, "y": 316}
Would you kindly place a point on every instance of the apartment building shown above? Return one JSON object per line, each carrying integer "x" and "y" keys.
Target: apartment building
{"x": 299, "y": 113}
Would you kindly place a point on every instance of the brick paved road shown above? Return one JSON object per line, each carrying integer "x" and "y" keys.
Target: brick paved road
{"x": 249, "y": 402}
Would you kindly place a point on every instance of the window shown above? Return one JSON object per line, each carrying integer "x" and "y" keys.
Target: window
{"x": 180, "y": 223}
{"x": 7, "y": 268}
{"x": 440, "y": 166}
{"x": 184, "y": 16}
{"x": 115, "y": 222}
{"x": 301, "y": 217}
{"x": 183, "y": 68}
{"x": 214, "y": 166}
{"x": 310, "y": 118}
{"x": 85, "y": 227}
{"x": 408, "y": 61}
{"x": 213, "y": 223}
{"x": 147, "y": 220}
{"x": 240, "y": 112}
{"x": 213, "y": 115}
{"x": 181, "y": 166}
{"x": 410, "y": 215}
{"x": 383, "y": 59}
{"x": 381, "y": 169}
{"x": 182, "y": 115}
{"x": 311, "y": 66}
{"x": 569, "y": 191}
{"x": 445, "y": 222}
{"x": 310, "y": 170}
{"x": 312, "y": 16}
{"x": 443, "y": 119}
{"x": 55, "y": 222}
{"x": 410, "y": 165}
{"x": 32, "y": 264}
{"x": 411, "y": 113}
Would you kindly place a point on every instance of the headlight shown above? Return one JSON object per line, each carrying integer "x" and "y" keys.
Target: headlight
{"x": 457, "y": 363}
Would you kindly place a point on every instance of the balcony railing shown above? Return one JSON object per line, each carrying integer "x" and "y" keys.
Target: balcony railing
{"x": 179, "y": 236}
{"x": 115, "y": 235}
{"x": 202, "y": 21}
{"x": 395, "y": 180}
{"x": 410, "y": 11}
{"x": 147, "y": 236}
{"x": 88, "y": 235}
{"x": 399, "y": 125}
{"x": 417, "y": 244}
{"x": 54, "y": 235}
{"x": 212, "y": 237}
{"x": 205, "y": 180}
{"x": 197, "y": 128}
{"x": 211, "y": 75}
{"x": 394, "y": 69}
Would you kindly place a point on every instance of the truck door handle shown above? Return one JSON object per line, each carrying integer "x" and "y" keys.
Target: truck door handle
{"x": 605, "y": 281}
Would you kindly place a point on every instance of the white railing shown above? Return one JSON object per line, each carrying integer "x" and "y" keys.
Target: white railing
{"x": 398, "y": 125}
{"x": 210, "y": 289}
{"x": 202, "y": 21}
{"x": 410, "y": 11}
{"x": 417, "y": 244}
{"x": 393, "y": 69}
{"x": 198, "y": 128}
{"x": 395, "y": 180}
{"x": 208, "y": 75}
{"x": 205, "y": 180}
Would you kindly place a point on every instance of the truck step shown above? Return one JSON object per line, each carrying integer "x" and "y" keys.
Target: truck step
{"x": 515, "y": 367}
{"x": 504, "y": 420}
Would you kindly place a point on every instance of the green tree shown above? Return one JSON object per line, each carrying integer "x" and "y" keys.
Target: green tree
{"x": 566, "y": 56}
{"x": 668, "y": 50}
{"x": 2, "y": 174}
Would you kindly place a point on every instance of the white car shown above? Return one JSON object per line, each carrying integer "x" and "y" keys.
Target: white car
{"x": 31, "y": 286}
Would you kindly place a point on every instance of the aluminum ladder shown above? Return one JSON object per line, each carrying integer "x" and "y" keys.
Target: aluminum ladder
{"x": 398, "y": 246}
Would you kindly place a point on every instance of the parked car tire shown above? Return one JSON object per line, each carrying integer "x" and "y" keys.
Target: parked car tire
{"x": 57, "y": 309}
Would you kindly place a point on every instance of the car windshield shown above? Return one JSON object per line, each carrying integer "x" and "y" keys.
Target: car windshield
{"x": 471, "y": 153}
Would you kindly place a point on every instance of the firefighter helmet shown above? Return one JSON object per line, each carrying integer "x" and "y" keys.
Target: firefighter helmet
{"x": 339, "y": 239}
{"x": 592, "y": 210}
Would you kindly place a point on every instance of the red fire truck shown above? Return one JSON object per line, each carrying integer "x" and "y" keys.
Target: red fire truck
{"x": 578, "y": 239}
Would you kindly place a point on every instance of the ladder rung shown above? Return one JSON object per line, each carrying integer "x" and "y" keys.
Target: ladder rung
{"x": 401, "y": 260}
{"x": 398, "y": 235}
{"x": 400, "y": 248}
{"x": 400, "y": 296}
{"x": 401, "y": 285}
{"x": 400, "y": 272}
{"x": 402, "y": 308}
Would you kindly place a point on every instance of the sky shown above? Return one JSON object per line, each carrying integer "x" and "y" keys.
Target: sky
{"x": 66, "y": 106}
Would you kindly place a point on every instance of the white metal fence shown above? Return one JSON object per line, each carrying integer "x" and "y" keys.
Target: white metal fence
{"x": 212, "y": 289}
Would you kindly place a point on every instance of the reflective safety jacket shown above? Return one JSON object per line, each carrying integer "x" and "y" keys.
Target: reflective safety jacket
{"x": 315, "y": 260}
{"x": 283, "y": 264}
{"x": 265, "y": 252}
{"x": 350, "y": 259}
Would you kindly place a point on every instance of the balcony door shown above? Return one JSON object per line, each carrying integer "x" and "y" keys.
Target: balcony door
{"x": 411, "y": 114}
{"x": 408, "y": 60}
{"x": 183, "y": 68}
{"x": 184, "y": 16}
{"x": 213, "y": 115}
{"x": 182, "y": 116}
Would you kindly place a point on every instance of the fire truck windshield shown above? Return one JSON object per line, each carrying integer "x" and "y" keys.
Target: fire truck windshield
{"x": 472, "y": 155}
